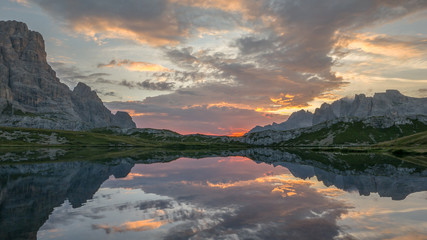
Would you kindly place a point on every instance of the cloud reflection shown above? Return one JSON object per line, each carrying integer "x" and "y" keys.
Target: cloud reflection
{"x": 136, "y": 226}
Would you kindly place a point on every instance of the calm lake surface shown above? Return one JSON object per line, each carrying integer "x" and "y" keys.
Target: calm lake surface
{"x": 252, "y": 194}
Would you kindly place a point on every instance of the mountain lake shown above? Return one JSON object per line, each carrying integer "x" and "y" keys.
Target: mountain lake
{"x": 246, "y": 194}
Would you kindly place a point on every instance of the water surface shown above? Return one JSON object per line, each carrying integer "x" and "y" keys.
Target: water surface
{"x": 256, "y": 194}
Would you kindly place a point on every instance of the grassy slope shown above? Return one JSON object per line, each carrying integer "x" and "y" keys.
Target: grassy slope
{"x": 355, "y": 133}
{"x": 37, "y": 137}
{"x": 40, "y": 138}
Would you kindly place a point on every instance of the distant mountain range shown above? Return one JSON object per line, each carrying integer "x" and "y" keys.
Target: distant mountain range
{"x": 361, "y": 121}
{"x": 32, "y": 96}
{"x": 391, "y": 104}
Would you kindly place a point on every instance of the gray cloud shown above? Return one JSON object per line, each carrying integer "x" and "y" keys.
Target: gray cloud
{"x": 72, "y": 75}
{"x": 127, "y": 83}
{"x": 148, "y": 85}
{"x": 159, "y": 86}
{"x": 106, "y": 93}
{"x": 160, "y": 22}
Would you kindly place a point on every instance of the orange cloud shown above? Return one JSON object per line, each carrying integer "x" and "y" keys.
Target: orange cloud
{"x": 131, "y": 176}
{"x": 282, "y": 183}
{"x": 240, "y": 133}
{"x": 381, "y": 44}
{"x": 225, "y": 5}
{"x": 135, "y": 66}
{"x": 22, "y": 2}
{"x": 158, "y": 32}
{"x": 137, "y": 226}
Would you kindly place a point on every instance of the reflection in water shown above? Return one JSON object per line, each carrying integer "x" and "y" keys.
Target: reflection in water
{"x": 277, "y": 196}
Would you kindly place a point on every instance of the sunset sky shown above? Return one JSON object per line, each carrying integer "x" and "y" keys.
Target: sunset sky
{"x": 225, "y": 66}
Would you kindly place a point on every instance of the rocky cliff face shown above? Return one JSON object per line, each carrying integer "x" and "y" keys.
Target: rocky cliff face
{"x": 391, "y": 105}
{"x": 300, "y": 119}
{"x": 32, "y": 96}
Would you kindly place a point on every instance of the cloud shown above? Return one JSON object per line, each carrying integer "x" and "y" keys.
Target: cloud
{"x": 71, "y": 75}
{"x": 22, "y": 2}
{"x": 108, "y": 94}
{"x": 280, "y": 55}
{"x": 210, "y": 119}
{"x": 156, "y": 23}
{"x": 400, "y": 47}
{"x": 135, "y": 226}
{"x": 148, "y": 85}
{"x": 297, "y": 211}
{"x": 134, "y": 66}
{"x": 158, "y": 86}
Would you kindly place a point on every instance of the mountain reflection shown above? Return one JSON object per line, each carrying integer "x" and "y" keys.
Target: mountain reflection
{"x": 268, "y": 197}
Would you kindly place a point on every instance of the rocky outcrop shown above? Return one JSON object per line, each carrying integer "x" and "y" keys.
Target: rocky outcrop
{"x": 391, "y": 104}
{"x": 390, "y": 107}
{"x": 32, "y": 96}
{"x": 300, "y": 119}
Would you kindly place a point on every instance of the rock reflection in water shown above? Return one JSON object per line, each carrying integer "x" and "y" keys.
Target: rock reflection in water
{"x": 277, "y": 196}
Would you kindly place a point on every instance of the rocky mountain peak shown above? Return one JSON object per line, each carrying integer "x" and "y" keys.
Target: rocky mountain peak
{"x": 83, "y": 90}
{"x": 391, "y": 104}
{"x": 29, "y": 86}
{"x": 19, "y": 43}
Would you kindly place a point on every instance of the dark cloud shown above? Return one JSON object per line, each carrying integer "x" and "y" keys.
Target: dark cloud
{"x": 128, "y": 84}
{"x": 158, "y": 86}
{"x": 71, "y": 75}
{"x": 103, "y": 80}
{"x": 148, "y": 85}
{"x": 109, "y": 94}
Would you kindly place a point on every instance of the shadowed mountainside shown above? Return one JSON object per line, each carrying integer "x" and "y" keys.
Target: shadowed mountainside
{"x": 32, "y": 96}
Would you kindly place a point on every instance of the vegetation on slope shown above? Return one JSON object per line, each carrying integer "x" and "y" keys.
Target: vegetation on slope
{"x": 355, "y": 133}
{"x": 103, "y": 138}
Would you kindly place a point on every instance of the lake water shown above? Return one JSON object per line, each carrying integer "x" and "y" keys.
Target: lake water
{"x": 252, "y": 194}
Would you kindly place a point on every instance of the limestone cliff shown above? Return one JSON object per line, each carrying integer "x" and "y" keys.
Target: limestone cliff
{"x": 32, "y": 96}
{"x": 391, "y": 106}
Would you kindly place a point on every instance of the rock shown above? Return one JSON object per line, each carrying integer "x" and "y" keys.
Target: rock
{"x": 32, "y": 96}
{"x": 392, "y": 106}
{"x": 298, "y": 119}
{"x": 123, "y": 120}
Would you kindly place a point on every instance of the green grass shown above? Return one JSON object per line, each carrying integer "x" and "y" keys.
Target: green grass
{"x": 355, "y": 133}
{"x": 32, "y": 137}
{"x": 106, "y": 138}
{"x": 417, "y": 142}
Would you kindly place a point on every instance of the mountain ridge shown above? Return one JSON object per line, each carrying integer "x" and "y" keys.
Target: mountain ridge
{"x": 390, "y": 104}
{"x": 32, "y": 96}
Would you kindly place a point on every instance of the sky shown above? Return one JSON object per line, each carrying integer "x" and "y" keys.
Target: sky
{"x": 223, "y": 67}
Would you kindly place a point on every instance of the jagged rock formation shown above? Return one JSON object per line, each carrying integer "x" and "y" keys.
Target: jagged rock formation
{"x": 389, "y": 104}
{"x": 392, "y": 107}
{"x": 298, "y": 119}
{"x": 32, "y": 96}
